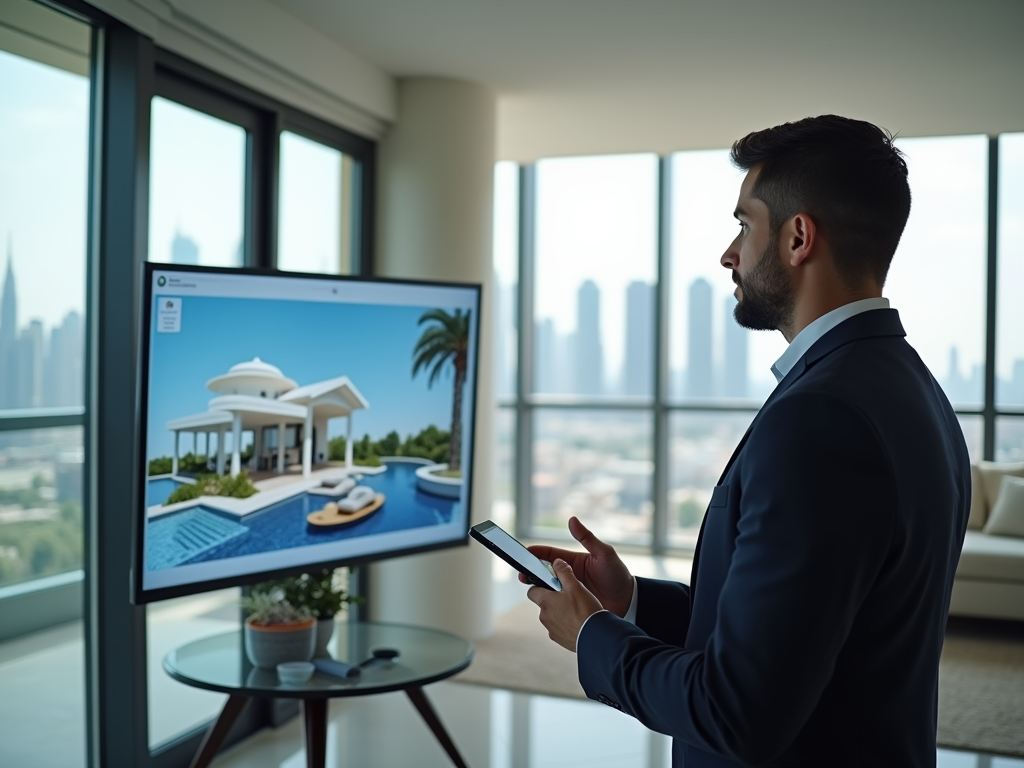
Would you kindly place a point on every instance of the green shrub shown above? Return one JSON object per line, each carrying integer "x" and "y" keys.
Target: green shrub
{"x": 239, "y": 487}
{"x": 162, "y": 465}
{"x": 432, "y": 444}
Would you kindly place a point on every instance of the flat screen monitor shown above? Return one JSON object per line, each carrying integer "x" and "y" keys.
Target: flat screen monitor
{"x": 291, "y": 422}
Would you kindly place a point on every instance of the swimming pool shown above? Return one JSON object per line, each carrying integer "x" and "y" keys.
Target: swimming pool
{"x": 283, "y": 525}
{"x": 159, "y": 489}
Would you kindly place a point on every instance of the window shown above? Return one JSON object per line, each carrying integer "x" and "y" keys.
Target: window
{"x": 44, "y": 130}
{"x": 940, "y": 263}
{"x": 634, "y": 438}
{"x": 44, "y": 157}
{"x": 197, "y": 187}
{"x": 316, "y": 216}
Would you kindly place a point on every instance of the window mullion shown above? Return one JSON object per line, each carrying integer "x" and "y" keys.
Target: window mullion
{"x": 524, "y": 369}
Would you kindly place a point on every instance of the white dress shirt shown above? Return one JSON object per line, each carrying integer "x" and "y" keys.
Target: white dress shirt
{"x": 796, "y": 349}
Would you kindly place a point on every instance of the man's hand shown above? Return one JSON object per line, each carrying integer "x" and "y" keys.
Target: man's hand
{"x": 563, "y": 613}
{"x": 599, "y": 569}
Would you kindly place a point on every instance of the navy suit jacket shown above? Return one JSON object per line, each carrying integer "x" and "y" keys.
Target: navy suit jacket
{"x": 811, "y": 630}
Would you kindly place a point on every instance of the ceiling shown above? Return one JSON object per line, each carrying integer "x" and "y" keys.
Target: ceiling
{"x": 592, "y": 76}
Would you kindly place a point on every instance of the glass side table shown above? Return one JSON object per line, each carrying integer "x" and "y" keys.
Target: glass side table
{"x": 219, "y": 663}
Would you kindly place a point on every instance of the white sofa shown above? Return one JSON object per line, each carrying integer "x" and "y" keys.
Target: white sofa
{"x": 990, "y": 577}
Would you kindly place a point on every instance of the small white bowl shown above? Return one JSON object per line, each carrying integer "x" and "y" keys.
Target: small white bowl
{"x": 294, "y": 672}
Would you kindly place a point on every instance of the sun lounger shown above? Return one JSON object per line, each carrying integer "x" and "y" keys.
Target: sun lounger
{"x": 334, "y": 513}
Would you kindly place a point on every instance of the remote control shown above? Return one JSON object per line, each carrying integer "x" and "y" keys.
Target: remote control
{"x": 336, "y": 668}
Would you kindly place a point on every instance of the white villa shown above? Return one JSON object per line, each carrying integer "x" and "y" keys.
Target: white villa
{"x": 255, "y": 395}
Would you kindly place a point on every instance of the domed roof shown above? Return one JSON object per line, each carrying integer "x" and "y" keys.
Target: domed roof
{"x": 253, "y": 377}
{"x": 256, "y": 367}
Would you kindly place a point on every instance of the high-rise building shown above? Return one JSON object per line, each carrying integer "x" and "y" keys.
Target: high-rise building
{"x": 639, "y": 358}
{"x": 63, "y": 371}
{"x": 734, "y": 369}
{"x": 700, "y": 377}
{"x": 184, "y": 250}
{"x": 28, "y": 367}
{"x": 588, "y": 378}
{"x": 8, "y": 334}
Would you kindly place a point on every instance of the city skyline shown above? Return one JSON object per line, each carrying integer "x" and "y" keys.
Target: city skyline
{"x": 36, "y": 370}
{"x": 560, "y": 358}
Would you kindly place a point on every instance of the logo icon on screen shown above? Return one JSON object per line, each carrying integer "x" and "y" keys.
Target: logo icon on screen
{"x": 161, "y": 281}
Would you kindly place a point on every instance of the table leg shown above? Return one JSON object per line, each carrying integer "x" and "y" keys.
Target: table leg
{"x": 315, "y": 711}
{"x": 423, "y": 706}
{"x": 219, "y": 730}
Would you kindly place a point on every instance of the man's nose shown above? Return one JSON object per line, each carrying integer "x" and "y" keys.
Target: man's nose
{"x": 730, "y": 258}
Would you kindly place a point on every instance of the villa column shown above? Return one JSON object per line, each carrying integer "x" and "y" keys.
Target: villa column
{"x": 436, "y": 184}
{"x": 220, "y": 451}
{"x": 320, "y": 441}
{"x": 236, "y": 444}
{"x": 174, "y": 461}
{"x": 348, "y": 442}
{"x": 307, "y": 444}
{"x": 280, "y": 446}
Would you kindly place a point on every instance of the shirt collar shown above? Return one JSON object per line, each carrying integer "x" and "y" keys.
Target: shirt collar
{"x": 815, "y": 330}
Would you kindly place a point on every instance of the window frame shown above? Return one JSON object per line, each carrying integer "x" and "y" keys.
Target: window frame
{"x": 524, "y": 402}
{"x": 126, "y": 71}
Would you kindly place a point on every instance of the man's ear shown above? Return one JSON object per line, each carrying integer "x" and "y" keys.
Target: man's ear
{"x": 799, "y": 237}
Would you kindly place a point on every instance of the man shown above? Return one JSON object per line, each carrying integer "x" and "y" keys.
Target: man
{"x": 810, "y": 632}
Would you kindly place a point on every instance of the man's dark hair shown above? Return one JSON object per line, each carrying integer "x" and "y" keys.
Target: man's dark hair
{"x": 846, "y": 174}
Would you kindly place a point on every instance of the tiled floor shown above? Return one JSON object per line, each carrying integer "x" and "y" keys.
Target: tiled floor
{"x": 493, "y": 728}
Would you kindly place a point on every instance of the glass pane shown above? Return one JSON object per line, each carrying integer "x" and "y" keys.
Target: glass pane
{"x": 596, "y": 263}
{"x": 710, "y": 356}
{"x": 1009, "y": 307}
{"x": 700, "y": 445}
{"x": 44, "y": 133}
{"x": 175, "y": 708}
{"x": 506, "y": 277}
{"x": 40, "y": 503}
{"x": 974, "y": 433}
{"x": 315, "y": 213}
{"x": 1009, "y": 439}
{"x": 937, "y": 278}
{"x": 196, "y": 187}
{"x": 503, "y": 507}
{"x": 596, "y": 465}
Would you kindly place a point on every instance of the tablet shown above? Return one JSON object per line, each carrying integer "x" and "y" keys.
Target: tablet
{"x": 515, "y": 554}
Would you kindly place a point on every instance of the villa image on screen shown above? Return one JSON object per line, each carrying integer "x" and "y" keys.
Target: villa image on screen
{"x": 291, "y": 420}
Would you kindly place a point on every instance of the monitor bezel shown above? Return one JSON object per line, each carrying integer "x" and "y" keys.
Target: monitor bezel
{"x": 142, "y": 596}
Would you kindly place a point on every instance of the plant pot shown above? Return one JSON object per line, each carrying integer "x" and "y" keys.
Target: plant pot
{"x": 324, "y": 632}
{"x": 268, "y": 646}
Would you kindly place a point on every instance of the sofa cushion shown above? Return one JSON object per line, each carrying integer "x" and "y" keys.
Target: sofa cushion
{"x": 992, "y": 473}
{"x": 997, "y": 558}
{"x": 1007, "y": 516}
{"x": 979, "y": 510}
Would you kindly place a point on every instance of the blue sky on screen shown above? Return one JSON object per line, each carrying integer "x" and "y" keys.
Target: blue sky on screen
{"x": 309, "y": 342}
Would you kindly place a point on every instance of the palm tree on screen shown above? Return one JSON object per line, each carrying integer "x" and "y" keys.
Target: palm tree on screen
{"x": 446, "y": 339}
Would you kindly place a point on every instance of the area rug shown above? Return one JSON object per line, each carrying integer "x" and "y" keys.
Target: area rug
{"x": 981, "y": 676}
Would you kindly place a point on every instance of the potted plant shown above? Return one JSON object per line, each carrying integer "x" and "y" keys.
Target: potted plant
{"x": 321, "y": 593}
{"x": 277, "y": 631}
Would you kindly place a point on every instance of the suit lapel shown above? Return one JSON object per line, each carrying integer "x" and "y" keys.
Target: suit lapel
{"x": 876, "y": 322}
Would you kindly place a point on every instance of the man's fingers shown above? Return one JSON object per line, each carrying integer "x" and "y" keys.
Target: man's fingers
{"x": 545, "y": 552}
{"x": 582, "y": 534}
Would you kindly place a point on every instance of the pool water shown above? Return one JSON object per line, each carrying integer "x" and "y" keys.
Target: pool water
{"x": 159, "y": 490}
{"x": 283, "y": 525}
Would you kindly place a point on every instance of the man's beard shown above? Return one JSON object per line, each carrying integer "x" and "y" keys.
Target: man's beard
{"x": 767, "y": 296}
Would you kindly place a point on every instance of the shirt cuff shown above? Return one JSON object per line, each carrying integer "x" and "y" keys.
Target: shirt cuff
{"x": 630, "y": 614}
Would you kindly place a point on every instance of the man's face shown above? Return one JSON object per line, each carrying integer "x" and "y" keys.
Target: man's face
{"x": 764, "y": 293}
